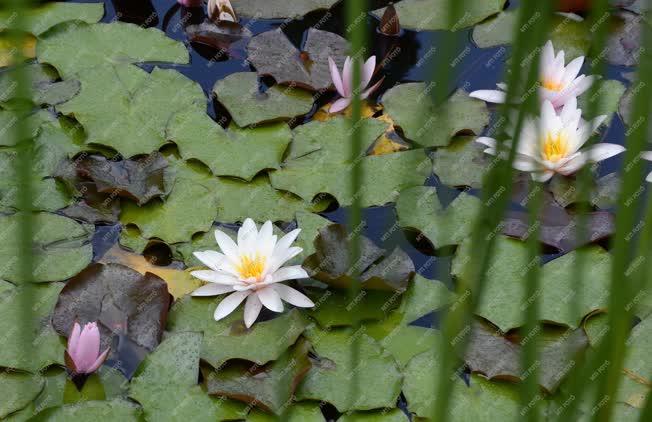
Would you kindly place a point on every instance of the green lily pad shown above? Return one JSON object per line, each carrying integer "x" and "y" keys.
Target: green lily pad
{"x": 92, "y": 411}
{"x": 331, "y": 372}
{"x": 607, "y": 95}
{"x": 280, "y": 9}
{"x": 76, "y": 47}
{"x": 241, "y": 153}
{"x": 45, "y": 89}
{"x": 139, "y": 102}
{"x": 504, "y": 292}
{"x": 419, "y": 208}
{"x": 257, "y": 200}
{"x": 637, "y": 368}
{"x": 228, "y": 338}
{"x": 310, "y": 224}
{"x": 393, "y": 415}
{"x": 462, "y": 163}
{"x": 18, "y": 389}
{"x": 50, "y": 348}
{"x": 334, "y": 308}
{"x": 61, "y": 247}
{"x": 171, "y": 220}
{"x": 51, "y": 395}
{"x": 422, "y": 297}
{"x": 240, "y": 94}
{"x": 43, "y": 17}
{"x": 412, "y": 109}
{"x": 566, "y": 34}
{"x": 269, "y": 387}
{"x": 298, "y": 412}
{"x": 433, "y": 15}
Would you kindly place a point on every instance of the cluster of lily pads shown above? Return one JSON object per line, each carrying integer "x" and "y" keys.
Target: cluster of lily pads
{"x": 123, "y": 150}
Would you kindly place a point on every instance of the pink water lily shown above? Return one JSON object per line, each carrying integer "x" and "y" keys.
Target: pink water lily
{"x": 647, "y": 156}
{"x": 344, "y": 83}
{"x": 221, "y": 10}
{"x": 190, "y": 3}
{"x": 558, "y": 82}
{"x": 83, "y": 353}
{"x": 252, "y": 269}
{"x": 551, "y": 143}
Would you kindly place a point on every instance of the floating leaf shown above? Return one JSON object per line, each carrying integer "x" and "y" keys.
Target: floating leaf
{"x": 217, "y": 36}
{"x": 422, "y": 297}
{"x": 334, "y": 308}
{"x": 392, "y": 415}
{"x": 504, "y": 296}
{"x": 280, "y": 9}
{"x": 18, "y": 389}
{"x": 61, "y": 247}
{"x": 236, "y": 152}
{"x": 240, "y": 95}
{"x": 374, "y": 270}
{"x": 604, "y": 191}
{"x": 332, "y": 369}
{"x": 607, "y": 95}
{"x": 433, "y": 15}
{"x": 229, "y": 338}
{"x": 412, "y": 109}
{"x": 462, "y": 163}
{"x": 624, "y": 44}
{"x": 140, "y": 105}
{"x": 310, "y": 224}
{"x": 419, "y": 208}
{"x": 298, "y": 412}
{"x": 76, "y": 47}
{"x": 270, "y": 386}
{"x": 273, "y": 54}
{"x": 92, "y": 411}
{"x": 48, "y": 348}
{"x": 43, "y": 17}
{"x": 123, "y": 301}
{"x": 637, "y": 368}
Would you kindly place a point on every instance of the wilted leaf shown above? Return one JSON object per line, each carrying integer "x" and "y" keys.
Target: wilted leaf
{"x": 419, "y": 208}
{"x": 280, "y": 9}
{"x": 411, "y": 107}
{"x": 18, "y": 389}
{"x": 603, "y": 191}
{"x": 124, "y": 302}
{"x": 44, "y": 16}
{"x": 389, "y": 22}
{"x": 271, "y": 53}
{"x": 229, "y": 338}
{"x": 92, "y": 411}
{"x": 240, "y": 94}
{"x": 61, "y": 247}
{"x": 374, "y": 270}
{"x": 270, "y": 386}
{"x": 462, "y": 163}
{"x": 217, "y": 36}
{"x": 332, "y": 369}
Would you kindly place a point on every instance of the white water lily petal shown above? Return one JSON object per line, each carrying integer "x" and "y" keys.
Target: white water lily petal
{"x": 573, "y": 165}
{"x": 367, "y": 72}
{"x": 228, "y": 246}
{"x": 229, "y": 303}
{"x": 603, "y": 151}
{"x": 649, "y": 178}
{"x": 247, "y": 236}
{"x": 214, "y": 277}
{"x": 647, "y": 155}
{"x": 211, "y": 259}
{"x": 252, "y": 310}
{"x": 270, "y": 299}
{"x": 490, "y": 142}
{"x": 335, "y": 76}
{"x": 283, "y": 256}
{"x": 293, "y": 296}
{"x": 489, "y": 95}
{"x": 543, "y": 176}
{"x": 293, "y": 272}
{"x": 287, "y": 240}
{"x": 212, "y": 289}
{"x": 524, "y": 163}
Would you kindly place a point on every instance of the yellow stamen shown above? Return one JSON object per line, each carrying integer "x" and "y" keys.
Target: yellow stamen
{"x": 555, "y": 146}
{"x": 251, "y": 267}
{"x": 551, "y": 85}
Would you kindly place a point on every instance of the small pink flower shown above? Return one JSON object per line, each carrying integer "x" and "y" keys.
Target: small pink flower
{"x": 344, "y": 82}
{"x": 83, "y": 354}
{"x": 190, "y": 3}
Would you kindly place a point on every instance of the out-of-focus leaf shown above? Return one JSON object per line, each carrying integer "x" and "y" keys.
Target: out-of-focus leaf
{"x": 624, "y": 44}
{"x": 419, "y": 208}
{"x": 637, "y": 369}
{"x": 48, "y": 348}
{"x": 462, "y": 163}
{"x": 18, "y": 389}
{"x": 604, "y": 192}
{"x": 271, "y": 53}
{"x": 236, "y": 152}
{"x": 229, "y": 338}
{"x": 608, "y": 95}
{"x": 76, "y": 47}
{"x": 374, "y": 270}
{"x": 332, "y": 368}
{"x": 92, "y": 411}
{"x": 411, "y": 107}
{"x": 299, "y": 412}
{"x": 269, "y": 387}
{"x": 44, "y": 16}
{"x": 239, "y": 93}
{"x": 7, "y": 49}
{"x": 595, "y": 327}
{"x": 61, "y": 247}
{"x": 120, "y": 299}
{"x": 432, "y": 15}
{"x": 393, "y": 415}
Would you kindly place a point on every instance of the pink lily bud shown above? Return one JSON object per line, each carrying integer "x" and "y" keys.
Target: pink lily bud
{"x": 83, "y": 354}
{"x": 190, "y": 3}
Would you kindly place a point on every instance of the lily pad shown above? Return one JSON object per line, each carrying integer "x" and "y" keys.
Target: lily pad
{"x": 624, "y": 44}
{"x": 123, "y": 301}
{"x": 412, "y": 109}
{"x": 18, "y": 390}
{"x": 43, "y": 17}
{"x": 422, "y": 297}
{"x": 139, "y": 102}
{"x": 45, "y": 88}
{"x": 76, "y": 47}
{"x": 604, "y": 191}
{"x": 49, "y": 348}
{"x": 608, "y": 95}
{"x": 332, "y": 368}
{"x": 269, "y": 387}
{"x": 280, "y": 9}
{"x": 433, "y": 15}
{"x": 334, "y": 308}
{"x": 240, "y": 94}
{"x": 92, "y": 411}
{"x": 462, "y": 163}
{"x": 298, "y": 412}
{"x": 61, "y": 247}
{"x": 419, "y": 208}
{"x": 273, "y": 54}
{"x": 310, "y": 224}
{"x": 228, "y": 338}
{"x": 393, "y": 415}
{"x": 637, "y": 369}
{"x": 374, "y": 270}
{"x": 236, "y": 152}
{"x": 504, "y": 292}
{"x": 566, "y": 34}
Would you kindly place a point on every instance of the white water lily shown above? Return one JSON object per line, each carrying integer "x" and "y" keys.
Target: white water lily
{"x": 252, "y": 269}
{"x": 344, "y": 83}
{"x": 647, "y": 156}
{"x": 221, "y": 11}
{"x": 551, "y": 143}
{"x": 558, "y": 82}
